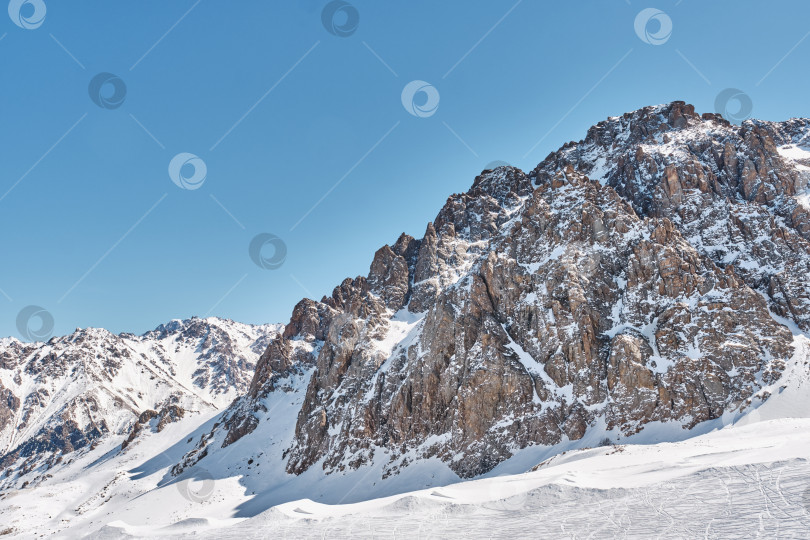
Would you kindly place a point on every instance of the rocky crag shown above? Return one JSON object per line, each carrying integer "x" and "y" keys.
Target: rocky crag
{"x": 647, "y": 273}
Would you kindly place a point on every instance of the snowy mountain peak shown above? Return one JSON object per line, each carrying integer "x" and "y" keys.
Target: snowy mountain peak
{"x": 625, "y": 281}
{"x": 61, "y": 396}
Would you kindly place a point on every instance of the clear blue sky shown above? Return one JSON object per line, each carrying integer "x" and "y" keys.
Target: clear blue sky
{"x": 74, "y": 236}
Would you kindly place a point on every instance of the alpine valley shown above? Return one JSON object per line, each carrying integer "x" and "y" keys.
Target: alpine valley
{"x": 616, "y": 342}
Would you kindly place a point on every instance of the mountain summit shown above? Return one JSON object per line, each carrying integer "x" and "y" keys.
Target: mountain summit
{"x": 647, "y": 275}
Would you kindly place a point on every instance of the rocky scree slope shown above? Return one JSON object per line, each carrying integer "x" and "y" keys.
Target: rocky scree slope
{"x": 634, "y": 277}
{"x": 65, "y": 395}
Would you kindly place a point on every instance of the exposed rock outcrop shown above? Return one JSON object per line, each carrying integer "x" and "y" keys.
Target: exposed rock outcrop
{"x": 154, "y": 420}
{"x": 630, "y": 278}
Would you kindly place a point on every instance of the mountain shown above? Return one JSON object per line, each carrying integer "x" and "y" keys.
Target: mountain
{"x": 643, "y": 286}
{"x": 64, "y": 395}
{"x": 645, "y": 275}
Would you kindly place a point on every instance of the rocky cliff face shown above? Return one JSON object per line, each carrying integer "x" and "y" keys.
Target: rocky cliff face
{"x": 735, "y": 192}
{"x": 64, "y": 395}
{"x": 632, "y": 277}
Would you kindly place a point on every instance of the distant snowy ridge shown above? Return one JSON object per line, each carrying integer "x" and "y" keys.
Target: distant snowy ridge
{"x": 66, "y": 394}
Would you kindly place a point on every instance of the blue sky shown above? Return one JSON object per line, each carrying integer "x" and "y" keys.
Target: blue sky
{"x": 292, "y": 121}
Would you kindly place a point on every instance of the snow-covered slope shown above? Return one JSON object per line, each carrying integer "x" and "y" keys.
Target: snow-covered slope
{"x": 735, "y": 477}
{"x": 750, "y": 481}
{"x": 66, "y": 394}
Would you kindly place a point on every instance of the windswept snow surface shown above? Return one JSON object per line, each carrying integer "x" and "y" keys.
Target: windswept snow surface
{"x": 739, "y": 476}
{"x": 751, "y": 481}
